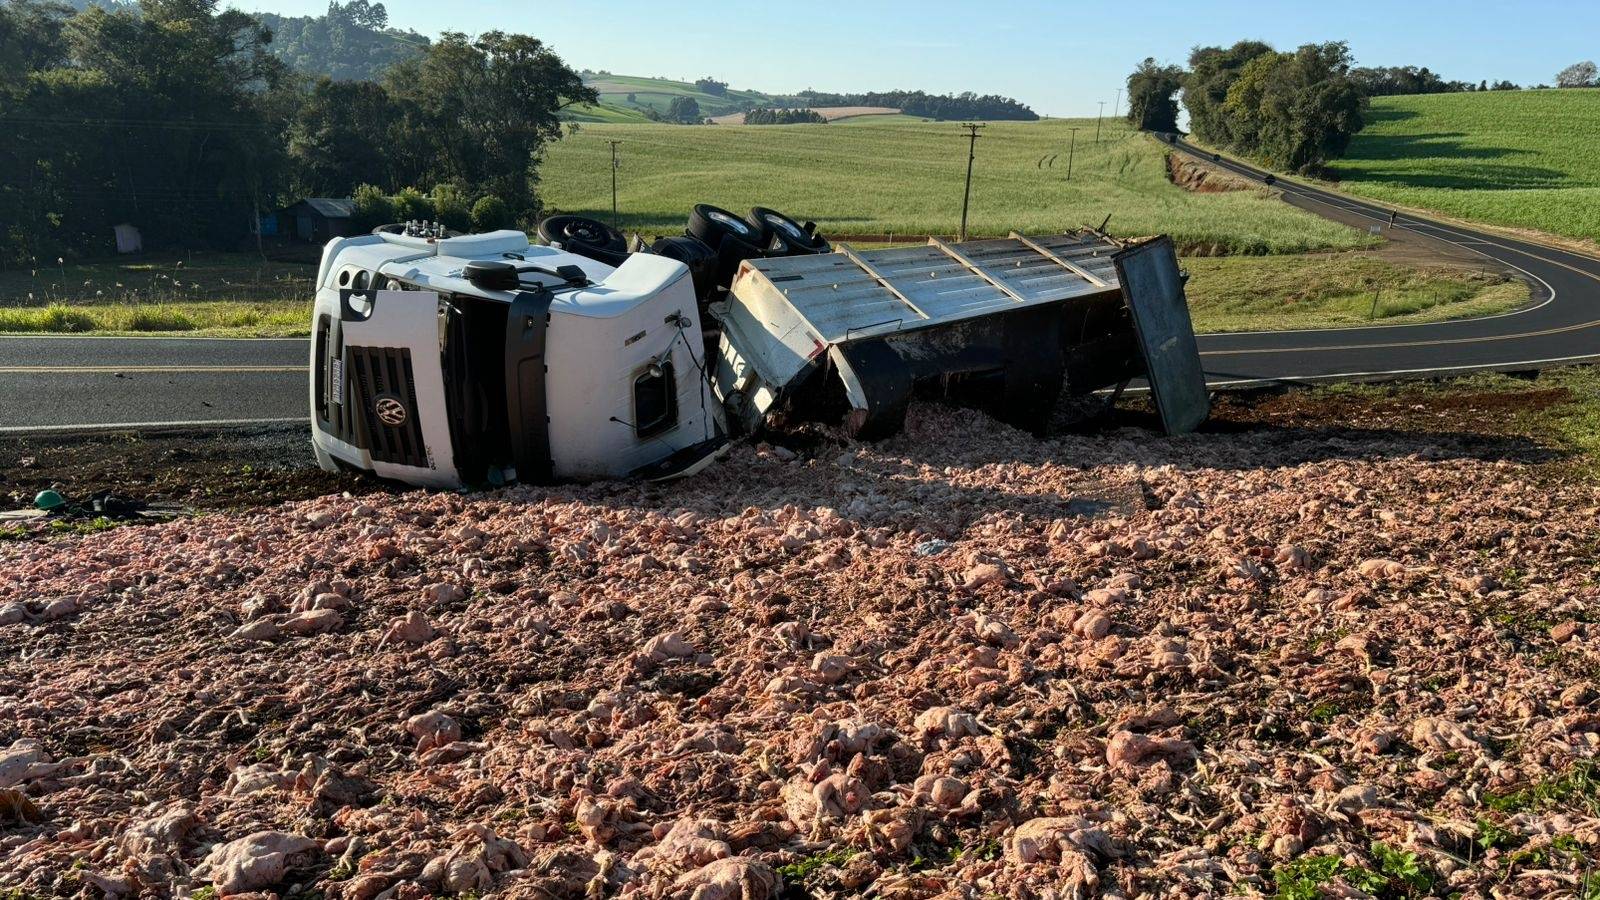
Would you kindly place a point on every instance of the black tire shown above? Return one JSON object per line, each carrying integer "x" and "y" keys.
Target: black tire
{"x": 585, "y": 237}
{"x": 701, "y": 260}
{"x": 711, "y": 224}
{"x": 789, "y": 237}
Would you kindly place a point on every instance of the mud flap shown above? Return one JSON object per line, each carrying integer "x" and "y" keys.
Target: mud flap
{"x": 527, "y": 414}
{"x": 1152, "y": 285}
{"x": 877, "y": 383}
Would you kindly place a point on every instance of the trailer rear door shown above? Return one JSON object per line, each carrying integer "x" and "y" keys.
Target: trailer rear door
{"x": 1153, "y": 287}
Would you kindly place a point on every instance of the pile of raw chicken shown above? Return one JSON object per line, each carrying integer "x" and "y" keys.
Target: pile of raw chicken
{"x": 961, "y": 663}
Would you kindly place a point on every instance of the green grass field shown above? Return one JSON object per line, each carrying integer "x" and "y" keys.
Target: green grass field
{"x": 905, "y": 177}
{"x": 1250, "y": 293}
{"x": 1524, "y": 159}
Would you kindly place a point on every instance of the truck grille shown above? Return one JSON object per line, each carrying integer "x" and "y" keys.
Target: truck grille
{"x": 383, "y": 404}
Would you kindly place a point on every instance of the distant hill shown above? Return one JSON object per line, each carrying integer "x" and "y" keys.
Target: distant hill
{"x": 631, "y": 98}
{"x": 350, "y": 42}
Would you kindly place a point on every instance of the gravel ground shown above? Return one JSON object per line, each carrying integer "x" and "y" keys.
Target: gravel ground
{"x": 959, "y": 663}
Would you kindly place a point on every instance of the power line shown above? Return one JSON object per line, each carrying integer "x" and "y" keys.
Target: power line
{"x": 972, "y": 154}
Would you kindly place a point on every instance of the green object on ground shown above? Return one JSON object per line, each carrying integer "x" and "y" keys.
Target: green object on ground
{"x": 48, "y": 500}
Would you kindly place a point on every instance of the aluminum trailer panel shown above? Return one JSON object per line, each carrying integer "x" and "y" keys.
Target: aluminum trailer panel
{"x": 1002, "y": 322}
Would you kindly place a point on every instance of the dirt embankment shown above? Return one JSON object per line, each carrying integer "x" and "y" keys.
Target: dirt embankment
{"x": 1193, "y": 175}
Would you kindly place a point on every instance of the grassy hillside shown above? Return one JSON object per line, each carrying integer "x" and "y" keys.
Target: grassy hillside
{"x": 605, "y": 112}
{"x": 1518, "y": 158}
{"x": 905, "y": 177}
{"x": 658, "y": 93}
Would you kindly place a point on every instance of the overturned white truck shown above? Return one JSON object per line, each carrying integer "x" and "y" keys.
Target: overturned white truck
{"x": 450, "y": 360}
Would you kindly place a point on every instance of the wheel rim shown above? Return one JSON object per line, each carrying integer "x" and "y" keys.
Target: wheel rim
{"x": 730, "y": 222}
{"x": 787, "y": 227}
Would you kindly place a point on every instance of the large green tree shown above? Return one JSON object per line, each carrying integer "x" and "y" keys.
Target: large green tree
{"x": 485, "y": 109}
{"x": 344, "y": 136}
{"x": 1297, "y": 110}
{"x": 1212, "y": 71}
{"x": 1151, "y": 90}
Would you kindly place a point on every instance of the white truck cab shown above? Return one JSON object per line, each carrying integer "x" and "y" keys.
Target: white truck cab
{"x": 454, "y": 361}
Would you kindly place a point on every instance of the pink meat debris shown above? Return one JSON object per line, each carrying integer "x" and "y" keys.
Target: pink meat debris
{"x": 411, "y": 628}
{"x": 432, "y": 729}
{"x": 255, "y": 861}
{"x": 1130, "y": 750}
{"x": 960, "y": 662}
{"x": 737, "y": 878}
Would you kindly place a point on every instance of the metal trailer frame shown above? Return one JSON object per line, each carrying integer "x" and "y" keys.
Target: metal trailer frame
{"x": 1002, "y": 324}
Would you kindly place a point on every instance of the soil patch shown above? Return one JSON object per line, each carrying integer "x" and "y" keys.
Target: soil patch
{"x": 213, "y": 468}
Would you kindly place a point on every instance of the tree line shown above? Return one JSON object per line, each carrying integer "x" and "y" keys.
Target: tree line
{"x": 764, "y": 116}
{"x": 175, "y": 116}
{"x": 1389, "y": 81}
{"x": 966, "y": 105}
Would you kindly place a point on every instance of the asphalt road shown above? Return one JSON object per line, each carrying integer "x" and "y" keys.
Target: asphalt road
{"x": 67, "y": 382}
{"x": 1560, "y": 325}
{"x": 50, "y": 383}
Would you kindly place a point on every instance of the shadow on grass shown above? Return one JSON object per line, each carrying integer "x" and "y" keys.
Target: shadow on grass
{"x": 1451, "y": 164}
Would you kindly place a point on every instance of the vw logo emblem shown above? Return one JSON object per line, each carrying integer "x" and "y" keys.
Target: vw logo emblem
{"x": 390, "y": 411}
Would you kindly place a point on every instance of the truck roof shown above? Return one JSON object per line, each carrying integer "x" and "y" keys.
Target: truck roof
{"x": 438, "y": 265}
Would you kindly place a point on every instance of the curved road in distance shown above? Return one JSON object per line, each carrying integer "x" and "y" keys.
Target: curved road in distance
{"x": 78, "y": 383}
{"x": 1560, "y": 325}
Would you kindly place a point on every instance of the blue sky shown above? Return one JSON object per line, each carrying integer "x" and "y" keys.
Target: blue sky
{"x": 1060, "y": 58}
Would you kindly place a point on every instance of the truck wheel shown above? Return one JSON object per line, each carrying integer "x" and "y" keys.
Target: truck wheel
{"x": 713, "y": 223}
{"x": 789, "y": 237}
{"x": 585, "y": 237}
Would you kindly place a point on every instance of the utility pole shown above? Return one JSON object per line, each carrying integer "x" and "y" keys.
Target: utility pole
{"x": 972, "y": 154}
{"x": 1071, "y": 148}
{"x": 614, "y": 164}
{"x": 1116, "y": 105}
{"x": 1097, "y": 121}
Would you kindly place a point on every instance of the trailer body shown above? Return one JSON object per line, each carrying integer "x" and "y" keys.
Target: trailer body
{"x": 1004, "y": 324}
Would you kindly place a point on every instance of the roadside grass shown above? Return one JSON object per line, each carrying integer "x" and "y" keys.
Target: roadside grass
{"x": 906, "y": 178}
{"x": 1522, "y": 159}
{"x": 156, "y": 278}
{"x": 199, "y": 318}
{"x": 198, "y": 294}
{"x": 1248, "y": 293}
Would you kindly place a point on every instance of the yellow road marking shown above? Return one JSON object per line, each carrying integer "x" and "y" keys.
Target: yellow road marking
{"x": 140, "y": 370}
